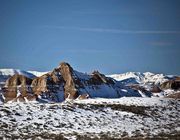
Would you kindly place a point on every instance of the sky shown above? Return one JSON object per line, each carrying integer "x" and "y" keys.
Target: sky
{"x": 111, "y": 36}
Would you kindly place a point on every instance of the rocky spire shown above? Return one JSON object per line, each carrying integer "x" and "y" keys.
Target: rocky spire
{"x": 67, "y": 73}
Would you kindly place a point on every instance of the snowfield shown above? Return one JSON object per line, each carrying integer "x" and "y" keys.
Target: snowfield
{"x": 96, "y": 118}
{"x": 127, "y": 117}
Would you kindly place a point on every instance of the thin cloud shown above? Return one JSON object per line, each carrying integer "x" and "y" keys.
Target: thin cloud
{"x": 116, "y": 31}
{"x": 84, "y": 51}
{"x": 161, "y": 43}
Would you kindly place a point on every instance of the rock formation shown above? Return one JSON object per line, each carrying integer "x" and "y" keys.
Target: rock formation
{"x": 65, "y": 83}
{"x": 70, "y": 86}
{"x": 175, "y": 95}
{"x": 155, "y": 89}
{"x": 17, "y": 87}
{"x": 171, "y": 84}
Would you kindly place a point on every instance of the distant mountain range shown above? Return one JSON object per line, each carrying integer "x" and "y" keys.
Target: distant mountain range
{"x": 64, "y": 83}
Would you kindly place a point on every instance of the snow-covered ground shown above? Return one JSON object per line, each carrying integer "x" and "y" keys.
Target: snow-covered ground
{"x": 92, "y": 118}
{"x": 98, "y": 118}
{"x": 128, "y": 101}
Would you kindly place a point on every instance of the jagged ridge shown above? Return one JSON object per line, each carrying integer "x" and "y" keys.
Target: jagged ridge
{"x": 64, "y": 83}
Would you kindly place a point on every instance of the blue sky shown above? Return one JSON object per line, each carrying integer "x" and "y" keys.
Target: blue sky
{"x": 112, "y": 36}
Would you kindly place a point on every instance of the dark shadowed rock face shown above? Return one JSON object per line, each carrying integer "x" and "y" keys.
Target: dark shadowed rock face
{"x": 141, "y": 89}
{"x": 155, "y": 89}
{"x": 66, "y": 71}
{"x": 49, "y": 86}
{"x": 17, "y": 80}
{"x": 98, "y": 79}
{"x": 171, "y": 84}
{"x": 46, "y": 83}
{"x": 64, "y": 82}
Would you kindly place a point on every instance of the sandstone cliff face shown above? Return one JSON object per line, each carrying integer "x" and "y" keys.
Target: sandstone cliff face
{"x": 65, "y": 83}
{"x": 171, "y": 84}
{"x": 40, "y": 84}
{"x": 17, "y": 80}
{"x": 66, "y": 71}
{"x": 49, "y": 86}
{"x": 18, "y": 87}
{"x": 98, "y": 79}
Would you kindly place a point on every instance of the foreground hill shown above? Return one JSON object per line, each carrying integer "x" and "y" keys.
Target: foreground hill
{"x": 105, "y": 119}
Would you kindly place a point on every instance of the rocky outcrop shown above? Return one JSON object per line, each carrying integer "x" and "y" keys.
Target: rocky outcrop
{"x": 83, "y": 96}
{"x": 49, "y": 86}
{"x": 155, "y": 89}
{"x": 98, "y": 79}
{"x": 66, "y": 71}
{"x": 171, "y": 84}
{"x": 17, "y": 80}
{"x": 65, "y": 83}
{"x": 174, "y": 95}
{"x": 141, "y": 90}
{"x": 40, "y": 84}
{"x": 18, "y": 87}
{"x": 47, "y": 82}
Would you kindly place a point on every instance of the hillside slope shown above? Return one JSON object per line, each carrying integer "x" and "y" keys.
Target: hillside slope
{"x": 123, "y": 118}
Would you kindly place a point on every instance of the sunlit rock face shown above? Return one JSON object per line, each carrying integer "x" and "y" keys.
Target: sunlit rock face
{"x": 171, "y": 84}
{"x": 64, "y": 83}
{"x": 49, "y": 87}
{"x": 18, "y": 88}
{"x": 67, "y": 72}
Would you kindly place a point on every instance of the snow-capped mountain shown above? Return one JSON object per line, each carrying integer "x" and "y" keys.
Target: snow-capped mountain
{"x": 126, "y": 78}
{"x": 11, "y": 72}
{"x": 6, "y": 73}
{"x": 154, "y": 83}
{"x": 37, "y": 73}
{"x": 140, "y": 78}
{"x": 113, "y": 106}
{"x": 64, "y": 83}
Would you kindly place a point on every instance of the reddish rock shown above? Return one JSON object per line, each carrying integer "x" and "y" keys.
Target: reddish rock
{"x": 64, "y": 82}
{"x": 48, "y": 85}
{"x": 83, "y": 96}
{"x": 66, "y": 71}
{"x": 155, "y": 89}
{"x": 174, "y": 95}
{"x": 171, "y": 84}
{"x": 39, "y": 84}
{"x": 97, "y": 79}
{"x": 17, "y": 84}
